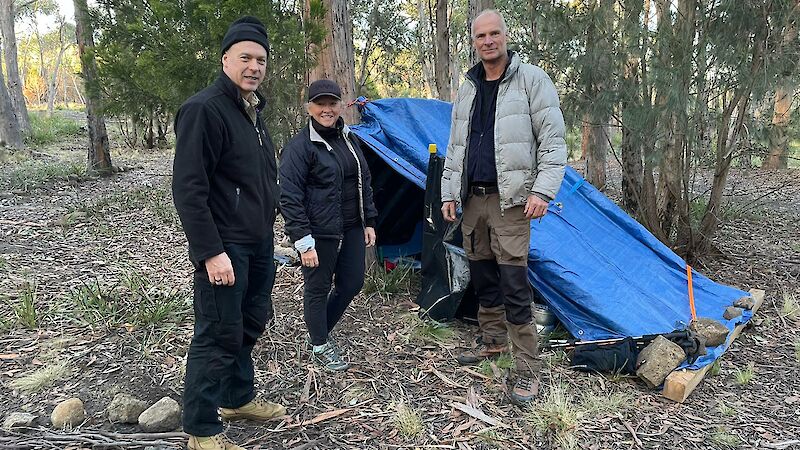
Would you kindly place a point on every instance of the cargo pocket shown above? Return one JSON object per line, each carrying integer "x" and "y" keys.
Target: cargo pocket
{"x": 205, "y": 304}
{"x": 468, "y": 233}
{"x": 513, "y": 242}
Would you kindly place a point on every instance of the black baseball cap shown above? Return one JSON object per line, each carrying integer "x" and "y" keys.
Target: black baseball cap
{"x": 324, "y": 88}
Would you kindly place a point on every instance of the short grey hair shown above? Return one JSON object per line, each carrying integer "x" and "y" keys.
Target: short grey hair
{"x": 487, "y": 12}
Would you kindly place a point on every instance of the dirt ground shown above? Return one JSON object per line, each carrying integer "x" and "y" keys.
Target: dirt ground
{"x": 66, "y": 237}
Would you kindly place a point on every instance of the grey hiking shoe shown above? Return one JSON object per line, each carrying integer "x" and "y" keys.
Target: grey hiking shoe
{"x": 328, "y": 356}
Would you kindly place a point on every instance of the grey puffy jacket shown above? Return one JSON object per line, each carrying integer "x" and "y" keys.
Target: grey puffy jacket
{"x": 530, "y": 151}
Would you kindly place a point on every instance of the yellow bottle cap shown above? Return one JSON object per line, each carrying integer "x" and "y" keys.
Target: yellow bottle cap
{"x": 431, "y": 148}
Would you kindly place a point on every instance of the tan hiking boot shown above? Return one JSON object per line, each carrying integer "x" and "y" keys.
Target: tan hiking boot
{"x": 216, "y": 442}
{"x": 525, "y": 389}
{"x": 481, "y": 351}
{"x": 255, "y": 410}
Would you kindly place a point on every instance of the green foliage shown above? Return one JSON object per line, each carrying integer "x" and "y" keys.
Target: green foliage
{"x": 797, "y": 351}
{"x": 47, "y": 130}
{"x": 561, "y": 412}
{"x": 379, "y": 281}
{"x": 722, "y": 438}
{"x": 503, "y": 362}
{"x": 24, "y": 308}
{"x": 135, "y": 302}
{"x": 408, "y": 422}
{"x": 715, "y": 368}
{"x": 32, "y": 174}
{"x": 152, "y": 55}
{"x": 746, "y": 375}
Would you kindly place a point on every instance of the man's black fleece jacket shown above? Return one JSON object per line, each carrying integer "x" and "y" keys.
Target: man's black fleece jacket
{"x": 224, "y": 181}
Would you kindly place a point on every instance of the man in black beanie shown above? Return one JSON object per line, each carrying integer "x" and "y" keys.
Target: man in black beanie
{"x": 225, "y": 190}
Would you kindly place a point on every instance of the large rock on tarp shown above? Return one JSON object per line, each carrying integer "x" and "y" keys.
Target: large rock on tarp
{"x": 657, "y": 360}
{"x": 711, "y": 330}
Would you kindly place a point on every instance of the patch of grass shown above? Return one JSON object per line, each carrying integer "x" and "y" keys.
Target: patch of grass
{"x": 24, "y": 308}
{"x": 155, "y": 199}
{"x": 428, "y": 331}
{"x": 555, "y": 358}
{"x": 42, "y": 378}
{"x": 154, "y": 305}
{"x": 746, "y": 375}
{"x": 3, "y": 263}
{"x": 726, "y": 410}
{"x": 560, "y": 413}
{"x": 378, "y": 281}
{"x": 149, "y": 341}
{"x": 503, "y": 362}
{"x": 32, "y": 174}
{"x": 724, "y": 439}
{"x": 47, "y": 130}
{"x": 407, "y": 421}
{"x": 725, "y": 212}
{"x": 557, "y": 412}
{"x": 790, "y": 309}
{"x": 715, "y": 369}
{"x": 492, "y": 437}
{"x": 97, "y": 304}
{"x": 797, "y": 351}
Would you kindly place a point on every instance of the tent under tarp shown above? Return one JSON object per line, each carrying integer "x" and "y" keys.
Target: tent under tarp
{"x": 601, "y": 272}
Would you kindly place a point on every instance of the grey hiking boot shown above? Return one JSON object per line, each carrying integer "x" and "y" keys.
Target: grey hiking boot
{"x": 328, "y": 356}
{"x": 525, "y": 389}
{"x": 481, "y": 351}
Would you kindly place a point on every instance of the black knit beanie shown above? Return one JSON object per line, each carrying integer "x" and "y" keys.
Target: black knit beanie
{"x": 246, "y": 28}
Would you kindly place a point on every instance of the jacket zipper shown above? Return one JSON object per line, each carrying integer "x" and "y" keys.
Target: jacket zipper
{"x": 236, "y": 204}
{"x": 360, "y": 181}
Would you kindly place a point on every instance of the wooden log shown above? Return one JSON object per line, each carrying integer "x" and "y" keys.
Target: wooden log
{"x": 680, "y": 383}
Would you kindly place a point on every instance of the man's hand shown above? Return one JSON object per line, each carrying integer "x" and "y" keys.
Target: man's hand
{"x": 449, "y": 211}
{"x": 309, "y": 258}
{"x": 369, "y": 236}
{"x": 220, "y": 270}
{"x": 535, "y": 207}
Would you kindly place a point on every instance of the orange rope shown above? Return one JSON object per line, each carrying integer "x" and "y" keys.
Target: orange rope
{"x": 691, "y": 292}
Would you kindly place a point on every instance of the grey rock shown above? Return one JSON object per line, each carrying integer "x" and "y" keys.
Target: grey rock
{"x": 657, "y": 360}
{"x": 732, "y": 312}
{"x": 18, "y": 419}
{"x": 713, "y": 332}
{"x": 164, "y": 415}
{"x": 125, "y": 409}
{"x": 68, "y": 413}
{"x": 745, "y": 302}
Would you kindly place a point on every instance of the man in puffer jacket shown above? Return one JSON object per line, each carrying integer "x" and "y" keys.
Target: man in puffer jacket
{"x": 505, "y": 162}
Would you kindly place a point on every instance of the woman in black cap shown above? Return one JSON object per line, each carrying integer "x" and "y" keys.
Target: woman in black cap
{"x": 326, "y": 202}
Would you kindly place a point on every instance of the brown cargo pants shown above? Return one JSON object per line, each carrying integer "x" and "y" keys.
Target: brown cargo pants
{"x": 496, "y": 244}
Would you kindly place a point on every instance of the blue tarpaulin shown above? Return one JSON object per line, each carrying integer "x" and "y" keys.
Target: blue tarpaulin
{"x": 601, "y": 272}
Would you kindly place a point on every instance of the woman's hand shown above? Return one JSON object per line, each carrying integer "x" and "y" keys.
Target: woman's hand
{"x": 369, "y": 236}
{"x": 309, "y": 258}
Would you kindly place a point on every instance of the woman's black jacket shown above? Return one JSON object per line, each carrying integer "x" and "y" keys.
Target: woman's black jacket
{"x": 311, "y": 186}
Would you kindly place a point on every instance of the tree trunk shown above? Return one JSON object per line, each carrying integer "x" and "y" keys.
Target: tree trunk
{"x": 442, "y": 51}
{"x": 533, "y": 10}
{"x": 475, "y": 7}
{"x": 9, "y": 126}
{"x": 596, "y": 156}
{"x": 632, "y": 123}
{"x": 99, "y": 156}
{"x": 362, "y": 73}
{"x": 336, "y": 57}
{"x": 778, "y": 157}
{"x": 14, "y": 81}
{"x": 52, "y": 85}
